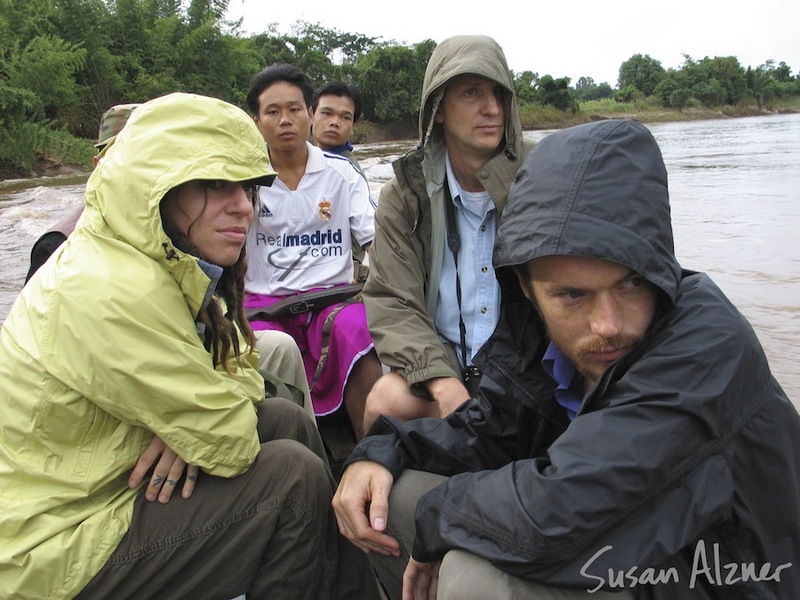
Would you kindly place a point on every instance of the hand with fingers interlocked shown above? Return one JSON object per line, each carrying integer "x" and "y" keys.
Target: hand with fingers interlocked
{"x": 167, "y": 472}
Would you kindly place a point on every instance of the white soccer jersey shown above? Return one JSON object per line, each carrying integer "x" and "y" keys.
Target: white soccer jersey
{"x": 301, "y": 239}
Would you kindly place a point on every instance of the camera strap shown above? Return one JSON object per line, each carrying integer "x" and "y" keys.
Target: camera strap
{"x": 454, "y": 244}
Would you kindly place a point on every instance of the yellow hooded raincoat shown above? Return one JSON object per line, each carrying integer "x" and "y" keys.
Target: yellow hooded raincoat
{"x": 100, "y": 351}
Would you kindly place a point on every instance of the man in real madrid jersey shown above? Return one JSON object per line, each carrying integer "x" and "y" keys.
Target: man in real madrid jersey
{"x": 301, "y": 240}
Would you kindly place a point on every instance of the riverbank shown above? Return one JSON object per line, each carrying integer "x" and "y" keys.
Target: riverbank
{"x": 536, "y": 118}
{"x": 41, "y": 167}
{"x": 533, "y": 119}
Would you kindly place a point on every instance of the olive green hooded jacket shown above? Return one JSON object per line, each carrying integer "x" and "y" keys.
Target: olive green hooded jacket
{"x": 101, "y": 351}
{"x": 406, "y": 257}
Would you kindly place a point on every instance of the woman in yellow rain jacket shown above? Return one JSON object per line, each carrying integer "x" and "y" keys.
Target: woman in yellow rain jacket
{"x": 130, "y": 344}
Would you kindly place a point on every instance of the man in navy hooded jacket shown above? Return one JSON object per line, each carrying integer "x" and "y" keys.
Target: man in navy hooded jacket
{"x": 627, "y": 436}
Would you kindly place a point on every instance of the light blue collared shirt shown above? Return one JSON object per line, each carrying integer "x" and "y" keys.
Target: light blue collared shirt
{"x": 476, "y": 218}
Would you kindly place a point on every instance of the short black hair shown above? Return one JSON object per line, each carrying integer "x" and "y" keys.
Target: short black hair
{"x": 274, "y": 74}
{"x": 340, "y": 88}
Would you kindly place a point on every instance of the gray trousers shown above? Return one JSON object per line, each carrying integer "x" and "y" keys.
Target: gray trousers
{"x": 269, "y": 533}
{"x": 463, "y": 576}
{"x": 281, "y": 365}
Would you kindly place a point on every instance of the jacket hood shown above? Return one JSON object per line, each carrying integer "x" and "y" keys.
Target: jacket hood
{"x": 461, "y": 55}
{"x": 597, "y": 190}
{"x": 167, "y": 142}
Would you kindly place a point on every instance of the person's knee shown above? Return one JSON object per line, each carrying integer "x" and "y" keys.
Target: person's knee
{"x": 387, "y": 390}
{"x": 449, "y": 577}
{"x": 384, "y": 396}
{"x": 282, "y": 418}
{"x": 277, "y": 344}
{"x": 283, "y": 408}
{"x": 463, "y": 575}
{"x": 298, "y": 470}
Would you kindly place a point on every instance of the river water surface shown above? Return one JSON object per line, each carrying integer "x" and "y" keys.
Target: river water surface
{"x": 735, "y": 193}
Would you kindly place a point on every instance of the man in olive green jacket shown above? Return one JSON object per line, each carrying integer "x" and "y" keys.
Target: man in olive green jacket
{"x": 418, "y": 298}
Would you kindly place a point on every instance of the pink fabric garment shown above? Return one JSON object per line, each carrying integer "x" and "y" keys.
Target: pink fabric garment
{"x": 349, "y": 341}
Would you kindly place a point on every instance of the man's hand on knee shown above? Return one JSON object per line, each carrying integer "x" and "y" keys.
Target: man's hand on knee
{"x": 361, "y": 504}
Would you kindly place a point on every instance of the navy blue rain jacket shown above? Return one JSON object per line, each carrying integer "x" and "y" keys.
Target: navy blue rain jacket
{"x": 680, "y": 476}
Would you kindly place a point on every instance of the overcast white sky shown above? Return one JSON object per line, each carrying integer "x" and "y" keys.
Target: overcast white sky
{"x": 562, "y": 38}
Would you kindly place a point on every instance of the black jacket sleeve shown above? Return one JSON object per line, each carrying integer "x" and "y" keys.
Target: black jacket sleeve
{"x": 480, "y": 434}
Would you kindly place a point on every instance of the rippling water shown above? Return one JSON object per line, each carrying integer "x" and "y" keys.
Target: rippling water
{"x": 735, "y": 190}
{"x": 735, "y": 194}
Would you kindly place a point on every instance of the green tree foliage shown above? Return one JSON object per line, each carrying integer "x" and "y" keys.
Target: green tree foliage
{"x": 87, "y": 23}
{"x": 272, "y": 49}
{"x": 525, "y": 87}
{"x": 715, "y": 81}
{"x": 307, "y": 56}
{"x": 203, "y": 12}
{"x": 629, "y": 93}
{"x": 46, "y": 66}
{"x": 18, "y": 103}
{"x": 769, "y": 82}
{"x": 672, "y": 91}
{"x": 160, "y": 9}
{"x": 782, "y": 73}
{"x": 38, "y": 84}
{"x": 341, "y": 47}
{"x": 24, "y": 20}
{"x": 545, "y": 90}
{"x": 730, "y": 75}
{"x": 390, "y": 78}
{"x": 556, "y": 93}
{"x": 586, "y": 89}
{"x": 642, "y": 72}
{"x": 711, "y": 82}
{"x": 323, "y": 53}
{"x": 64, "y": 62}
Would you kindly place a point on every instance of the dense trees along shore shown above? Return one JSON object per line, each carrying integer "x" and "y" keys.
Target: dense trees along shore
{"x": 63, "y": 63}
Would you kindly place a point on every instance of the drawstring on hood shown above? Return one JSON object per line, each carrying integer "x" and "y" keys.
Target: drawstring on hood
{"x": 170, "y": 253}
{"x": 435, "y": 102}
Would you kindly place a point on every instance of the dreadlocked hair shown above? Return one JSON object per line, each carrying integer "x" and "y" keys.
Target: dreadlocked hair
{"x": 220, "y": 335}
